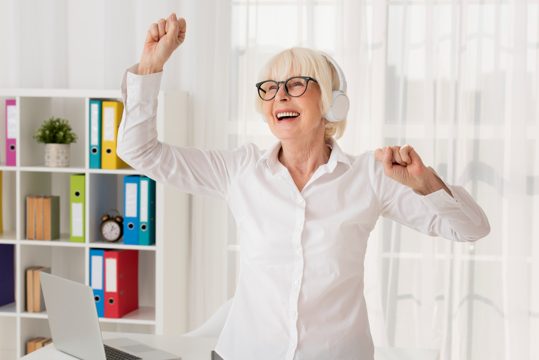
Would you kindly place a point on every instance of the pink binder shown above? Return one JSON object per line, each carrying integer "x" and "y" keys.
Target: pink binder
{"x": 11, "y": 132}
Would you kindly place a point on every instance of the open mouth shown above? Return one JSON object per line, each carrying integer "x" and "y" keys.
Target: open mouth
{"x": 285, "y": 115}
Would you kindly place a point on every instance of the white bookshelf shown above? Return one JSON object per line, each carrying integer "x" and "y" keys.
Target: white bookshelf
{"x": 162, "y": 267}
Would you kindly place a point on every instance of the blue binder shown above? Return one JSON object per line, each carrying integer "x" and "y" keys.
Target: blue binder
{"x": 7, "y": 274}
{"x": 97, "y": 279}
{"x": 146, "y": 211}
{"x": 131, "y": 213}
{"x": 95, "y": 133}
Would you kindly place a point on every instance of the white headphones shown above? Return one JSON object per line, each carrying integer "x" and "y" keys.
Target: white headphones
{"x": 340, "y": 103}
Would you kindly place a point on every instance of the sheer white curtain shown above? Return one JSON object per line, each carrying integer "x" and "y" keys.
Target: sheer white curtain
{"x": 80, "y": 44}
{"x": 458, "y": 80}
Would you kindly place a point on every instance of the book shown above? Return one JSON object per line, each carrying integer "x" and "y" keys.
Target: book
{"x": 42, "y": 217}
{"x": 38, "y": 301}
{"x": 34, "y": 295}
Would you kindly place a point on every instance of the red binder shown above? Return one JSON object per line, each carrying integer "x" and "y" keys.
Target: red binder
{"x": 121, "y": 282}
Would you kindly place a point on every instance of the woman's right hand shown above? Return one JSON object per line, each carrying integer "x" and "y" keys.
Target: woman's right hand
{"x": 162, "y": 39}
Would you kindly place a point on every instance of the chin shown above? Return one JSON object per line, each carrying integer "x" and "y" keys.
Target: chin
{"x": 284, "y": 134}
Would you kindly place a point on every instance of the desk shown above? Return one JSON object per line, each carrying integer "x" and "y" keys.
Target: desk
{"x": 188, "y": 348}
{"x": 199, "y": 348}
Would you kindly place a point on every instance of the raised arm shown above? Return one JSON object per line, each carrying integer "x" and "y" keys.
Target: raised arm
{"x": 191, "y": 170}
{"x": 413, "y": 194}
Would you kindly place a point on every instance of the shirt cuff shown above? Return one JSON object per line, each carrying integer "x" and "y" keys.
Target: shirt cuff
{"x": 440, "y": 201}
{"x": 140, "y": 87}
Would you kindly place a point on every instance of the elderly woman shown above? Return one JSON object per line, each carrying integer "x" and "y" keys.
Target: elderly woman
{"x": 304, "y": 208}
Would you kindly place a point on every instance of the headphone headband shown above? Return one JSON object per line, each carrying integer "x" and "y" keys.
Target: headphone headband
{"x": 338, "y": 70}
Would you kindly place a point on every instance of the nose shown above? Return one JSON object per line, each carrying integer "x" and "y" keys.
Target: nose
{"x": 281, "y": 93}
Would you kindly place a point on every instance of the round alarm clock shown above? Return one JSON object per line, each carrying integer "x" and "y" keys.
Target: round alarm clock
{"x": 112, "y": 227}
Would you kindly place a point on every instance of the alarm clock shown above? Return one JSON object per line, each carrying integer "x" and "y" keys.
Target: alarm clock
{"x": 112, "y": 227}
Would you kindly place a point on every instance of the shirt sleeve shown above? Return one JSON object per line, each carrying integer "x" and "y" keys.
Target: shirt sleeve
{"x": 194, "y": 171}
{"x": 456, "y": 217}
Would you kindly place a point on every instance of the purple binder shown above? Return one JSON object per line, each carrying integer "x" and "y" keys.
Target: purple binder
{"x": 7, "y": 274}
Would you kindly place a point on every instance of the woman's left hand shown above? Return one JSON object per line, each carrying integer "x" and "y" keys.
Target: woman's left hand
{"x": 403, "y": 164}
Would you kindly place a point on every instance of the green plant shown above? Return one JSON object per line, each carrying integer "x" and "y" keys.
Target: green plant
{"x": 55, "y": 131}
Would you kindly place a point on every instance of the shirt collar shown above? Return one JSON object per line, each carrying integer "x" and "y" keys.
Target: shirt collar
{"x": 337, "y": 156}
{"x": 269, "y": 157}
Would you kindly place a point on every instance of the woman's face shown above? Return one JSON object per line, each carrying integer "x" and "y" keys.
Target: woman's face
{"x": 305, "y": 122}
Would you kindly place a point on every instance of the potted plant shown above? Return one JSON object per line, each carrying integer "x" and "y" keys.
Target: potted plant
{"x": 56, "y": 134}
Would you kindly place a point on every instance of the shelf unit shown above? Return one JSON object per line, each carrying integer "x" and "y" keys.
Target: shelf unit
{"x": 162, "y": 267}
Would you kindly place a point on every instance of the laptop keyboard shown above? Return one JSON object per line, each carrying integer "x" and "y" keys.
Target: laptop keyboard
{"x": 115, "y": 354}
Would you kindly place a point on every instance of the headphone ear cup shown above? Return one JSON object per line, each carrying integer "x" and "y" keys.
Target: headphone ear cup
{"x": 340, "y": 104}
{"x": 339, "y": 107}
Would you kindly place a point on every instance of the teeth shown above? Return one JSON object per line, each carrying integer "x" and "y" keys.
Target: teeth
{"x": 289, "y": 113}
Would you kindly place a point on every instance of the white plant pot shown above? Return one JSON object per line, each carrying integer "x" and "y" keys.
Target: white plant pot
{"x": 57, "y": 155}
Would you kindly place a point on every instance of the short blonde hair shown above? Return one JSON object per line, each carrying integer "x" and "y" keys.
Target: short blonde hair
{"x": 306, "y": 62}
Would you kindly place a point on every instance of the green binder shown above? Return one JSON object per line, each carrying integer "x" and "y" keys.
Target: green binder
{"x": 77, "y": 208}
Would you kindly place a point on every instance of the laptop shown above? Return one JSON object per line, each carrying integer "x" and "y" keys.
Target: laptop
{"x": 75, "y": 328}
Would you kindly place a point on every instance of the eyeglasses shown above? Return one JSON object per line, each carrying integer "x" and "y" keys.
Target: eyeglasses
{"x": 295, "y": 86}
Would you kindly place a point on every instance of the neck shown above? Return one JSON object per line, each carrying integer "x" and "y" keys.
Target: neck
{"x": 305, "y": 157}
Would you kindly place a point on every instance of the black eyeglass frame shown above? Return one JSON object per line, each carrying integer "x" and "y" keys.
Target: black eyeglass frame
{"x": 285, "y": 82}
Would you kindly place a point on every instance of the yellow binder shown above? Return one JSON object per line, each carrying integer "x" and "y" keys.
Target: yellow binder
{"x": 111, "y": 115}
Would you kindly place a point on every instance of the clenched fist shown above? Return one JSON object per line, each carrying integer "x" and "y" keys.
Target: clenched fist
{"x": 403, "y": 164}
{"x": 163, "y": 38}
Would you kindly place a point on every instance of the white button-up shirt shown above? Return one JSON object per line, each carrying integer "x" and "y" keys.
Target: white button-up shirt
{"x": 300, "y": 287}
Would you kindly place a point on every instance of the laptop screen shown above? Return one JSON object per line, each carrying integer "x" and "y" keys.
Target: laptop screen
{"x": 72, "y": 317}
